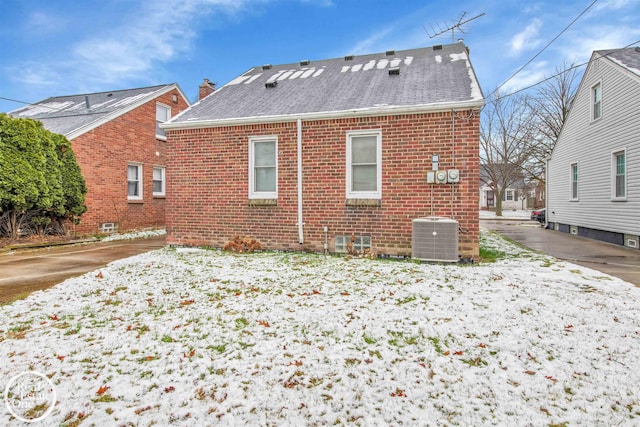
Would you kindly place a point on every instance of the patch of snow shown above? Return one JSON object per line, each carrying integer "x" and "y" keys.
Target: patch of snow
{"x": 285, "y": 75}
{"x": 438, "y": 59}
{"x": 252, "y": 78}
{"x": 135, "y": 235}
{"x": 131, "y": 99}
{"x": 395, "y": 62}
{"x": 625, "y": 65}
{"x": 369, "y": 65}
{"x": 382, "y": 64}
{"x": 356, "y": 68}
{"x": 296, "y": 74}
{"x": 44, "y": 108}
{"x": 345, "y": 68}
{"x": 458, "y": 56}
{"x": 408, "y": 60}
{"x": 308, "y": 73}
{"x": 318, "y": 72}
{"x": 507, "y": 213}
{"x": 238, "y": 80}
{"x": 201, "y": 337}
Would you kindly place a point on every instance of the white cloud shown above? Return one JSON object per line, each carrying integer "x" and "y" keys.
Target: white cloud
{"x": 598, "y": 37}
{"x": 373, "y": 43}
{"x": 40, "y": 23}
{"x": 150, "y": 35}
{"x": 535, "y": 73}
{"x": 321, "y": 3}
{"x": 527, "y": 38}
{"x": 615, "y": 4}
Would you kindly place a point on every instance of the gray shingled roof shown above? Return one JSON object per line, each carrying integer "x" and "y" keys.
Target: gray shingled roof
{"x": 628, "y": 58}
{"x": 68, "y": 115}
{"x": 428, "y": 78}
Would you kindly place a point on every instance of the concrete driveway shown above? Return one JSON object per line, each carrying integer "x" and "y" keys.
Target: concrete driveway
{"x": 28, "y": 270}
{"x": 611, "y": 259}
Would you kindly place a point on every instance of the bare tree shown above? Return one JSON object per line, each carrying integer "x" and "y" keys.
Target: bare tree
{"x": 549, "y": 108}
{"x": 505, "y": 135}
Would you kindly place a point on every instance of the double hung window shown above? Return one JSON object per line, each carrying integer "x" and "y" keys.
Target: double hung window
{"x": 263, "y": 167}
{"x": 163, "y": 113}
{"x": 364, "y": 165}
{"x": 134, "y": 181}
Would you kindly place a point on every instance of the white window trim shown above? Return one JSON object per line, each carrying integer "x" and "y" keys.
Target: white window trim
{"x": 577, "y": 197}
{"x": 614, "y": 165}
{"x": 164, "y": 181}
{"x": 261, "y": 194}
{"x": 140, "y": 186}
{"x": 168, "y": 108}
{"x": 592, "y": 101}
{"x": 365, "y": 194}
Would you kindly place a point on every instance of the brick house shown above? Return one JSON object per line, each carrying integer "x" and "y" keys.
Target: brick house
{"x": 121, "y": 151}
{"x": 319, "y": 155}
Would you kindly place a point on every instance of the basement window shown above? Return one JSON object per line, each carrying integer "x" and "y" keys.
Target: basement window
{"x": 352, "y": 244}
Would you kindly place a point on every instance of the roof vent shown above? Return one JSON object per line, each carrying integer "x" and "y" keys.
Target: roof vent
{"x": 271, "y": 84}
{"x": 348, "y": 58}
{"x": 394, "y": 71}
{"x": 266, "y": 66}
{"x": 86, "y": 102}
{"x": 305, "y": 62}
{"x": 437, "y": 47}
{"x": 390, "y": 52}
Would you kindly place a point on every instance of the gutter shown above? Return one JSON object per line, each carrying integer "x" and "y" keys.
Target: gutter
{"x": 325, "y": 115}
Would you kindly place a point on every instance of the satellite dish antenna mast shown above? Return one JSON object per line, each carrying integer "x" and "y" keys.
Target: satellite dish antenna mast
{"x": 452, "y": 28}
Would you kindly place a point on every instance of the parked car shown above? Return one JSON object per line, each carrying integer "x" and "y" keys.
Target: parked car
{"x": 539, "y": 215}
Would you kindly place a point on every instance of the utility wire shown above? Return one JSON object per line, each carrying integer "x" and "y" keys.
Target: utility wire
{"x": 561, "y": 72}
{"x": 544, "y": 48}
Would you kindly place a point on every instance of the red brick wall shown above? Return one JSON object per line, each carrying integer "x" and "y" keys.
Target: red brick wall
{"x": 207, "y": 188}
{"x": 103, "y": 155}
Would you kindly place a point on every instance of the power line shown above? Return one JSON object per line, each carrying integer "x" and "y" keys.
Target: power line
{"x": 561, "y": 72}
{"x": 544, "y": 48}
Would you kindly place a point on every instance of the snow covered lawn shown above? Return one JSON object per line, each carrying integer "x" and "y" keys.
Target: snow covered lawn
{"x": 202, "y": 337}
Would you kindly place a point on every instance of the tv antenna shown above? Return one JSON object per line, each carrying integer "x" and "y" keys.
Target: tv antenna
{"x": 452, "y": 28}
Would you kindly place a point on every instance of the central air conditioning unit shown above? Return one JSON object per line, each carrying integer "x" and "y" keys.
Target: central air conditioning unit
{"x": 435, "y": 239}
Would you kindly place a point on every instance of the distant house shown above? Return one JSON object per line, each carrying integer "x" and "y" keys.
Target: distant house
{"x": 517, "y": 196}
{"x": 330, "y": 155}
{"x": 593, "y": 184}
{"x": 120, "y": 148}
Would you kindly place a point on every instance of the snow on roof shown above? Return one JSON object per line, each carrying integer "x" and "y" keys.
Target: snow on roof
{"x": 427, "y": 78}
{"x": 628, "y": 58}
{"x": 66, "y": 114}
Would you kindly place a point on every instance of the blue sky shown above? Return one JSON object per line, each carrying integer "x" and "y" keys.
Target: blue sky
{"x": 64, "y": 47}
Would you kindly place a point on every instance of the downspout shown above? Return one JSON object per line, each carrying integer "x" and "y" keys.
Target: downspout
{"x": 300, "y": 222}
{"x": 546, "y": 192}
{"x": 453, "y": 155}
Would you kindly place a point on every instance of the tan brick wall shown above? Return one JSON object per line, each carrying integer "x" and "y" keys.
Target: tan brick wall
{"x": 208, "y": 188}
{"x": 103, "y": 155}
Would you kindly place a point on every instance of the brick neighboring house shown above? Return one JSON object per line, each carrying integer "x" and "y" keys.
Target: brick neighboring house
{"x": 304, "y": 156}
{"x": 120, "y": 148}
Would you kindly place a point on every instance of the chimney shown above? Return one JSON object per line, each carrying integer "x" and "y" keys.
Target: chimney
{"x": 206, "y": 89}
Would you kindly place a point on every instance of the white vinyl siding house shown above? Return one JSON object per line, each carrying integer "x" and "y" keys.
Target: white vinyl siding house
{"x": 600, "y": 146}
